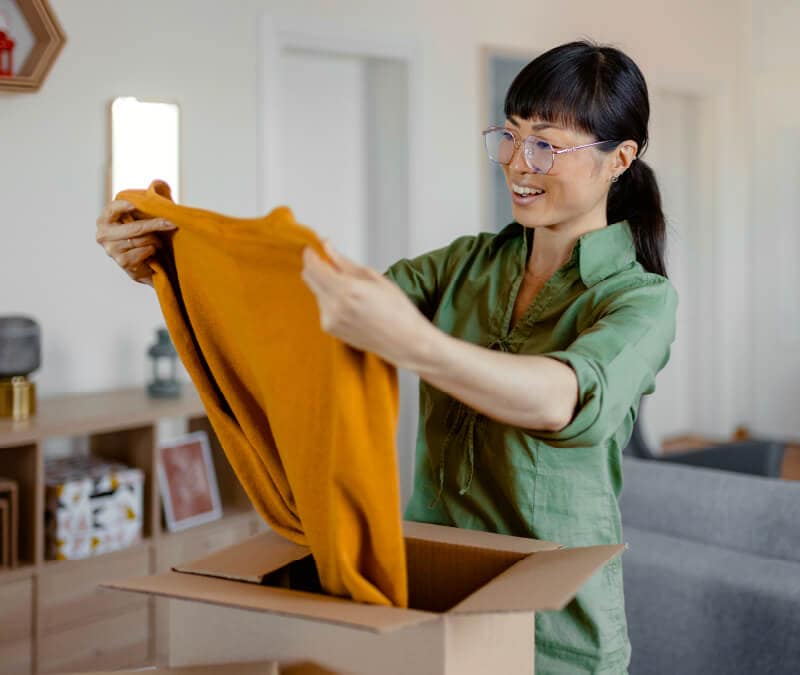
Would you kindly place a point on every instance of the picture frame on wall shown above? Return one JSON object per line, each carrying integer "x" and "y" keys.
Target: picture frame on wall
{"x": 188, "y": 481}
{"x": 31, "y": 38}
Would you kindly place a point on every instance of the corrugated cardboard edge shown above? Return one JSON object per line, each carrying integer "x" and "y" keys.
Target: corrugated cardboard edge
{"x": 254, "y": 558}
{"x": 558, "y": 576}
{"x": 250, "y": 560}
{"x": 281, "y": 601}
{"x": 553, "y": 572}
{"x": 475, "y": 538}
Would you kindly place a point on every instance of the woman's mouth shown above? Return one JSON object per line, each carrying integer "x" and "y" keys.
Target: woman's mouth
{"x": 525, "y": 195}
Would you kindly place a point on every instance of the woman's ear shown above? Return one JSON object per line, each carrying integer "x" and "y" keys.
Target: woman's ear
{"x": 624, "y": 154}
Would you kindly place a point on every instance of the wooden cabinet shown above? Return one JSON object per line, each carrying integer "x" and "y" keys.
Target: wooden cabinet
{"x": 53, "y": 617}
{"x": 190, "y": 545}
{"x": 16, "y": 623}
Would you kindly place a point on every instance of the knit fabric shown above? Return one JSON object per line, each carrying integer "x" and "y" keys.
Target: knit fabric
{"x": 307, "y": 422}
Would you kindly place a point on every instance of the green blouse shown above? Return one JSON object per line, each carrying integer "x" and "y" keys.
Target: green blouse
{"x": 613, "y": 323}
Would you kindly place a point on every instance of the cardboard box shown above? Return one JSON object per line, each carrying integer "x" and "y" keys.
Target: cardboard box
{"x": 92, "y": 506}
{"x": 473, "y": 596}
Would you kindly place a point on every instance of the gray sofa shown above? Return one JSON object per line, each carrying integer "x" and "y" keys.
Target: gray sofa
{"x": 712, "y": 570}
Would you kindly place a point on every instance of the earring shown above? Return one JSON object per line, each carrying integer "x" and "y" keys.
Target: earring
{"x": 614, "y": 179}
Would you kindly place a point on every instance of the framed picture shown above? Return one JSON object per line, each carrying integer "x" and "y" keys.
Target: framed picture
{"x": 188, "y": 483}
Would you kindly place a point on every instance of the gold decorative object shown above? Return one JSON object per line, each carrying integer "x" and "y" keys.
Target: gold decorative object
{"x": 17, "y": 397}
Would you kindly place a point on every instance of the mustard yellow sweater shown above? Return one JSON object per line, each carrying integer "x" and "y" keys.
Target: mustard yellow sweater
{"x": 307, "y": 422}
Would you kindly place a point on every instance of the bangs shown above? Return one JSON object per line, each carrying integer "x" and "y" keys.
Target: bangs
{"x": 563, "y": 90}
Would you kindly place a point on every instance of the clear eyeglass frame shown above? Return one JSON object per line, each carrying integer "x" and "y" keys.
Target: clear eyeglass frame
{"x": 533, "y": 144}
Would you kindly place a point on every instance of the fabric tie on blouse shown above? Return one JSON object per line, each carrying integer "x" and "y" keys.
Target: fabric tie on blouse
{"x": 465, "y": 418}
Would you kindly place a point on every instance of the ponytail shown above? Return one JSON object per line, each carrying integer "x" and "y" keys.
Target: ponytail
{"x": 635, "y": 197}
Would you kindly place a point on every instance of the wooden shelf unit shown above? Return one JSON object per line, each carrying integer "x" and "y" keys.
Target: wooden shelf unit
{"x": 53, "y": 618}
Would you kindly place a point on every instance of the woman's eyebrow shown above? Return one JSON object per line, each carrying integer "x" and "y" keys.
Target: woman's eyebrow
{"x": 545, "y": 125}
{"x": 541, "y": 126}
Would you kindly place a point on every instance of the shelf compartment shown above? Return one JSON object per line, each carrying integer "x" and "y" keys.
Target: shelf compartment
{"x": 68, "y": 592}
{"x": 119, "y": 641}
{"x": 231, "y": 492}
{"x": 132, "y": 446}
{"x": 16, "y": 625}
{"x": 23, "y": 465}
{"x": 84, "y": 627}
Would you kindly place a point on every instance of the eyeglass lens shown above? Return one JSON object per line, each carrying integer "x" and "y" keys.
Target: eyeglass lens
{"x": 500, "y": 148}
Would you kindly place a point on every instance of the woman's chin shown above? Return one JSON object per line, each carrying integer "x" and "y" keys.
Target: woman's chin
{"x": 524, "y": 217}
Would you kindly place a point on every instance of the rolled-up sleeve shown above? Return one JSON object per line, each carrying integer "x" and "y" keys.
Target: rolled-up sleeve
{"x": 616, "y": 361}
{"x": 423, "y": 276}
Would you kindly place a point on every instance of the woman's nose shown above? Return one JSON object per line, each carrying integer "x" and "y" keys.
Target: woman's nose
{"x": 518, "y": 162}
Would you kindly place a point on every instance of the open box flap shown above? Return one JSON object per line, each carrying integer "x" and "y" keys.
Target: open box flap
{"x": 475, "y": 538}
{"x": 254, "y": 558}
{"x": 250, "y": 560}
{"x": 283, "y": 601}
{"x": 550, "y": 579}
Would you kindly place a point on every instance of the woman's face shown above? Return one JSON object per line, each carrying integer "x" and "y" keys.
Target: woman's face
{"x": 577, "y": 184}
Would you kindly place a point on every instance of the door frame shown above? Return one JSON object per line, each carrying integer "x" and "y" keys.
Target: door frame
{"x": 279, "y": 34}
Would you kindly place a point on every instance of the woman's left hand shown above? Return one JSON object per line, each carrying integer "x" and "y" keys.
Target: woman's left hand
{"x": 360, "y": 306}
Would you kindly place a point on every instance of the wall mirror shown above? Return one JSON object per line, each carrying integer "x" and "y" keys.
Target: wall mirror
{"x": 144, "y": 144}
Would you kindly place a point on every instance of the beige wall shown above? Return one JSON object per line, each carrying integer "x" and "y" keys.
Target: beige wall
{"x": 97, "y": 324}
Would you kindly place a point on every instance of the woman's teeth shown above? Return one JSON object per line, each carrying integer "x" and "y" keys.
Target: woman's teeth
{"x": 520, "y": 190}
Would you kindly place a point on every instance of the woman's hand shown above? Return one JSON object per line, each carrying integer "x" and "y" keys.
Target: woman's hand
{"x": 129, "y": 239}
{"x": 360, "y": 306}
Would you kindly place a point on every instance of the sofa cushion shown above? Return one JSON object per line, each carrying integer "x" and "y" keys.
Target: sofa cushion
{"x": 737, "y": 511}
{"x": 695, "y": 608}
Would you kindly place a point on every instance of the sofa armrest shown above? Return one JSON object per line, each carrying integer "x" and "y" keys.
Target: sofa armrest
{"x": 759, "y": 458}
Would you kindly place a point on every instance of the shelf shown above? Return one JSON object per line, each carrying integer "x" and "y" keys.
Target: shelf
{"x": 23, "y": 464}
{"x": 48, "y": 38}
{"x": 59, "y": 566}
{"x": 95, "y": 412}
{"x": 230, "y": 515}
{"x": 53, "y": 618}
{"x": 25, "y": 571}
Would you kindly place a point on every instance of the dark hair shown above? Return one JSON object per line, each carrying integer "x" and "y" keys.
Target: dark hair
{"x": 601, "y": 91}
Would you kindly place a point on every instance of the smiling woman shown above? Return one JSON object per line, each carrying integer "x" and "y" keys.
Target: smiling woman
{"x": 534, "y": 344}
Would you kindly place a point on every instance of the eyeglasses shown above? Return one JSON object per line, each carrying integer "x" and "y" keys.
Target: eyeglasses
{"x": 501, "y": 142}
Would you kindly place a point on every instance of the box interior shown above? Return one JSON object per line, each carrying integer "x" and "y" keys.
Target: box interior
{"x": 450, "y": 572}
{"x": 440, "y": 574}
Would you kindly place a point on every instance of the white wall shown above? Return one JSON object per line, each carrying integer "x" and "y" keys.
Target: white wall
{"x": 774, "y": 237}
{"x": 97, "y": 324}
{"x": 322, "y": 175}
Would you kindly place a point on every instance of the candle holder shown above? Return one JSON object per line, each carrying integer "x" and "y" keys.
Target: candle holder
{"x": 20, "y": 355}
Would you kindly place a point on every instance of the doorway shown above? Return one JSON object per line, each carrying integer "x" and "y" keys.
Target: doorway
{"x": 336, "y": 147}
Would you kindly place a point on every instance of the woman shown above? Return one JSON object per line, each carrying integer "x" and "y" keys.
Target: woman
{"x": 533, "y": 345}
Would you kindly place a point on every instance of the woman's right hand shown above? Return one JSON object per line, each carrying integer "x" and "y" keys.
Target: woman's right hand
{"x": 129, "y": 239}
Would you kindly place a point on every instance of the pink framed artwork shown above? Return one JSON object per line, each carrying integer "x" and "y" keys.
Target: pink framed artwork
{"x": 188, "y": 482}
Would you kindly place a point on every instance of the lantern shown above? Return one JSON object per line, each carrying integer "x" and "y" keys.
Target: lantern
{"x": 6, "y": 51}
{"x": 164, "y": 357}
